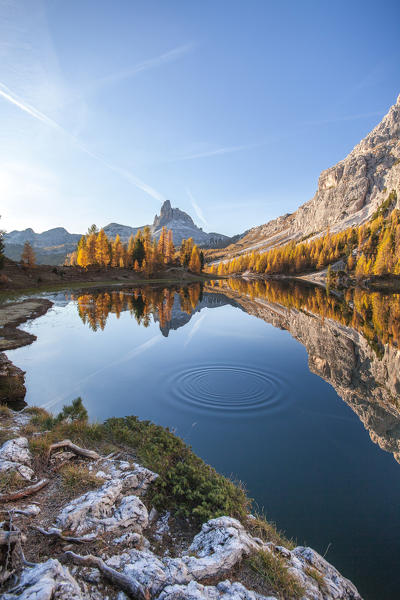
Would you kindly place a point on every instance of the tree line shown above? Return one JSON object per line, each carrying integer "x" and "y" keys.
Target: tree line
{"x": 369, "y": 249}
{"x": 141, "y": 253}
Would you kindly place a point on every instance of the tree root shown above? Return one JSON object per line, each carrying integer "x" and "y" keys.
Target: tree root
{"x": 74, "y": 448}
{"x": 133, "y": 588}
{"x": 27, "y": 491}
{"x": 54, "y": 532}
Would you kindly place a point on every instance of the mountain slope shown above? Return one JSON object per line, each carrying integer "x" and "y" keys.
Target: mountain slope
{"x": 348, "y": 193}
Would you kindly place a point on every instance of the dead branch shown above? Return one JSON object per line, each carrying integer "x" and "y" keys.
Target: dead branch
{"x": 54, "y": 532}
{"x": 75, "y": 449}
{"x": 27, "y": 491}
{"x": 133, "y": 588}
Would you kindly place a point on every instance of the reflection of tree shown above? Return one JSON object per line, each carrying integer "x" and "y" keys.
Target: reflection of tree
{"x": 374, "y": 315}
{"x": 141, "y": 303}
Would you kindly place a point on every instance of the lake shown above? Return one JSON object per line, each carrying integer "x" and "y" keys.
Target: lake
{"x": 292, "y": 392}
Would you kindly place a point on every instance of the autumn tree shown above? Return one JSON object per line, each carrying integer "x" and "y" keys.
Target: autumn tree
{"x": 28, "y": 257}
{"x": 169, "y": 247}
{"x": 117, "y": 252}
{"x": 102, "y": 249}
{"x": 91, "y": 239}
{"x": 194, "y": 263}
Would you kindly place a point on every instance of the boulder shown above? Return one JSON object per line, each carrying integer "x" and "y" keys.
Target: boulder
{"x": 15, "y": 456}
{"x": 46, "y": 581}
{"x": 105, "y": 509}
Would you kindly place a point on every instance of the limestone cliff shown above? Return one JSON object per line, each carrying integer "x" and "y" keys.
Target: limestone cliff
{"x": 348, "y": 193}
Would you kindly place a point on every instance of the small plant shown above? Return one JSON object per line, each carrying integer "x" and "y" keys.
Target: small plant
{"x": 73, "y": 412}
{"x": 316, "y": 575}
{"x": 274, "y": 571}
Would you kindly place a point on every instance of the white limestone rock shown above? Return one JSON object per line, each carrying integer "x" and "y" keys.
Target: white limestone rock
{"x": 223, "y": 591}
{"x": 46, "y": 581}
{"x": 162, "y": 526}
{"x": 15, "y": 456}
{"x": 104, "y": 509}
{"x": 135, "y": 478}
{"x": 336, "y": 587}
{"x": 221, "y": 544}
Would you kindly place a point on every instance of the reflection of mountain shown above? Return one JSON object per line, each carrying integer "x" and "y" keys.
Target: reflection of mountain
{"x": 367, "y": 380}
{"x": 171, "y": 307}
{"x": 180, "y": 318}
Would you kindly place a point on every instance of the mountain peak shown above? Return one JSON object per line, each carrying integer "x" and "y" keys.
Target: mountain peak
{"x": 166, "y": 207}
{"x": 168, "y": 215}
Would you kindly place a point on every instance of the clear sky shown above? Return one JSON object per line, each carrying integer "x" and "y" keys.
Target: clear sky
{"x": 229, "y": 108}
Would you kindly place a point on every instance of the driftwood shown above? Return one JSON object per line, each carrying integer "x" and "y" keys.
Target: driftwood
{"x": 54, "y": 532}
{"x": 74, "y": 448}
{"x": 133, "y": 588}
{"x": 27, "y": 491}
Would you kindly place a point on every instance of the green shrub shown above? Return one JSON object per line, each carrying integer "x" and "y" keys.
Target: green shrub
{"x": 73, "y": 412}
{"x": 186, "y": 484}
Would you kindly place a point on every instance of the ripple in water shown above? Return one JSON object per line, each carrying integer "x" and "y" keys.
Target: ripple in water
{"x": 230, "y": 389}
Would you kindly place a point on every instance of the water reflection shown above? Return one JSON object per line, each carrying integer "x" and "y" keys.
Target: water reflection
{"x": 351, "y": 341}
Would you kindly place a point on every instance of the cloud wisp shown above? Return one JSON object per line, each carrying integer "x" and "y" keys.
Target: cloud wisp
{"x": 146, "y": 65}
{"x": 196, "y": 207}
{"x": 346, "y": 118}
{"x": 217, "y": 152}
{"x": 12, "y": 98}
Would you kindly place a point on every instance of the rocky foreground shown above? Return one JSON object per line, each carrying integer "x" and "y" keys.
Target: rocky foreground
{"x": 109, "y": 542}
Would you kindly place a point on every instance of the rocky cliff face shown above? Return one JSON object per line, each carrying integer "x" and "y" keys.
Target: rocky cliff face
{"x": 348, "y": 193}
{"x": 183, "y": 227}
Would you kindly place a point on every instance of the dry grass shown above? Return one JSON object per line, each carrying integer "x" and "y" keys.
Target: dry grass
{"x": 4, "y": 411}
{"x": 272, "y": 569}
{"x": 10, "y": 481}
{"x": 319, "y": 578}
{"x": 78, "y": 479}
{"x": 267, "y": 531}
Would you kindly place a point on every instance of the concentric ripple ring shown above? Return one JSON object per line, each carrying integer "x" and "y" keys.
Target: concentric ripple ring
{"x": 229, "y": 389}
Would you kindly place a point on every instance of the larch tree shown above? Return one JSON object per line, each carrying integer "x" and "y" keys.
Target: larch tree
{"x": 117, "y": 252}
{"x": 28, "y": 257}
{"x": 82, "y": 257}
{"x": 103, "y": 256}
{"x": 170, "y": 248}
{"x": 91, "y": 247}
{"x": 194, "y": 263}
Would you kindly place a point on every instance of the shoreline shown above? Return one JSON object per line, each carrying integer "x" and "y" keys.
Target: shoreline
{"x": 186, "y": 531}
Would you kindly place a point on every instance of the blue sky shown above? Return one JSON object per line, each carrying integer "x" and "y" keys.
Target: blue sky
{"x": 228, "y": 108}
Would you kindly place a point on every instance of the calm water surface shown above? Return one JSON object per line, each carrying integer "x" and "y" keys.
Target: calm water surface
{"x": 240, "y": 391}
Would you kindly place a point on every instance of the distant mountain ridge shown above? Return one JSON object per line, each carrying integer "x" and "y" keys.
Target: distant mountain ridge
{"x": 52, "y": 246}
